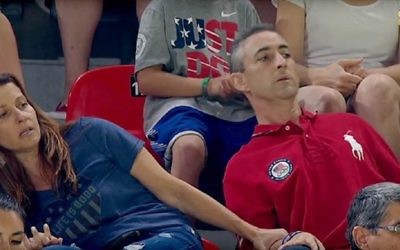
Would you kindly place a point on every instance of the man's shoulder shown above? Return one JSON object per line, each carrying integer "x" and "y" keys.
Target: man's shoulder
{"x": 246, "y": 152}
{"x": 339, "y": 117}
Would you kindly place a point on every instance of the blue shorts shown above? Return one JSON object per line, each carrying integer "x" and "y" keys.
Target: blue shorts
{"x": 222, "y": 138}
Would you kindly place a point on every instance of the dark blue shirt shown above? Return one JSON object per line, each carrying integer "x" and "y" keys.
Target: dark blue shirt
{"x": 110, "y": 201}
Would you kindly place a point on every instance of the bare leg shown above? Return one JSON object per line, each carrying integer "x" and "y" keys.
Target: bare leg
{"x": 9, "y": 59}
{"x": 266, "y": 10}
{"x": 77, "y": 21}
{"x": 140, "y": 6}
{"x": 377, "y": 100}
{"x": 321, "y": 99}
{"x": 188, "y": 158}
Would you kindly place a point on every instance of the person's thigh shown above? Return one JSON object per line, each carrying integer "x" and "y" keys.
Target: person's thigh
{"x": 175, "y": 239}
{"x": 178, "y": 122}
{"x": 232, "y": 136}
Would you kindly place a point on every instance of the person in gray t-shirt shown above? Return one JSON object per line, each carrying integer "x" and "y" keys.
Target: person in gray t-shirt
{"x": 192, "y": 117}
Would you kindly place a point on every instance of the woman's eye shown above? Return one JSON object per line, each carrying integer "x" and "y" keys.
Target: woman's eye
{"x": 24, "y": 104}
{"x": 3, "y": 114}
{"x": 16, "y": 242}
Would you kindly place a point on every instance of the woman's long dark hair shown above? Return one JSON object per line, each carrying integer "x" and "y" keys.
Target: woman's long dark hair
{"x": 56, "y": 165}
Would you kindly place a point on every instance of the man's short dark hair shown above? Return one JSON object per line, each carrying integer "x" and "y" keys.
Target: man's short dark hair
{"x": 236, "y": 59}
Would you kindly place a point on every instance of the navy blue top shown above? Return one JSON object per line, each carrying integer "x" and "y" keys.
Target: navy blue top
{"x": 110, "y": 201}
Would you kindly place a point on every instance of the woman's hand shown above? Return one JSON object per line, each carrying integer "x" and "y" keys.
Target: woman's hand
{"x": 40, "y": 240}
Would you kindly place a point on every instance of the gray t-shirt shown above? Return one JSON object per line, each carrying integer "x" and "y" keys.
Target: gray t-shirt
{"x": 193, "y": 38}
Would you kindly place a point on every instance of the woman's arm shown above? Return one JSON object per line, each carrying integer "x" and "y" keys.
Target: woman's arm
{"x": 191, "y": 201}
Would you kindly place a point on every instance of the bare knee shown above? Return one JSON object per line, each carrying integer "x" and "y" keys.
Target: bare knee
{"x": 322, "y": 99}
{"x": 332, "y": 101}
{"x": 188, "y": 158}
{"x": 378, "y": 88}
{"x": 192, "y": 145}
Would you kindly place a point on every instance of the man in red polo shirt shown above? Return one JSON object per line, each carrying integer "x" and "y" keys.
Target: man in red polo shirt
{"x": 300, "y": 170}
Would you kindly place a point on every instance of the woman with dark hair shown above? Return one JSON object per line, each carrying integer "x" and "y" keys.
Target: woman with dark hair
{"x": 98, "y": 187}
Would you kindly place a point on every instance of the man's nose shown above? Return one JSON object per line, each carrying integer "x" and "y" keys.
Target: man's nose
{"x": 280, "y": 60}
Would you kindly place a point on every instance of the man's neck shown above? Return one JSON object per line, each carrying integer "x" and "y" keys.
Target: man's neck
{"x": 278, "y": 112}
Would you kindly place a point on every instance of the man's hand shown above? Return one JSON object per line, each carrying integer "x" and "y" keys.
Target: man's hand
{"x": 306, "y": 239}
{"x": 266, "y": 238}
{"x": 40, "y": 240}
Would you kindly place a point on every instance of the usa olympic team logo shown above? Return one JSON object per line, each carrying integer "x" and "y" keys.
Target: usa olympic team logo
{"x": 280, "y": 169}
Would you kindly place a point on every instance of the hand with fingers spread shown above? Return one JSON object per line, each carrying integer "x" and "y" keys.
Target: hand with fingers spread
{"x": 302, "y": 238}
{"x": 41, "y": 239}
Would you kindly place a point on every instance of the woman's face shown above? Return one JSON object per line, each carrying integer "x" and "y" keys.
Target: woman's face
{"x": 19, "y": 127}
{"x": 11, "y": 231}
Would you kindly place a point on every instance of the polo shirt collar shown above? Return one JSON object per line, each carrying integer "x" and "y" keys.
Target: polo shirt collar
{"x": 265, "y": 129}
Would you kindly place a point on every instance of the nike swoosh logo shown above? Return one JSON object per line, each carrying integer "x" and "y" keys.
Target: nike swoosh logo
{"x": 224, "y": 14}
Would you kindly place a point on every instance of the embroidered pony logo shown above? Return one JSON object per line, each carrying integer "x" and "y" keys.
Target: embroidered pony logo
{"x": 356, "y": 148}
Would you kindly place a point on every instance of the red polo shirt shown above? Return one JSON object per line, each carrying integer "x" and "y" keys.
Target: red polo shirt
{"x": 304, "y": 177}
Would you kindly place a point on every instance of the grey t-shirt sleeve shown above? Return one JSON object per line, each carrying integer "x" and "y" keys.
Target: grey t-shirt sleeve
{"x": 151, "y": 45}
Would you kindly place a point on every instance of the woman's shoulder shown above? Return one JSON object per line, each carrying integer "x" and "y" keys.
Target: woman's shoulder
{"x": 88, "y": 126}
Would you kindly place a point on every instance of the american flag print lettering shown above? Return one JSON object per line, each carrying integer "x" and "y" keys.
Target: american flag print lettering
{"x": 80, "y": 215}
{"x": 208, "y": 43}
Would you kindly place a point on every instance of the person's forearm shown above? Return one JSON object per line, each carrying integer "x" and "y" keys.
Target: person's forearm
{"x": 203, "y": 207}
{"x": 156, "y": 82}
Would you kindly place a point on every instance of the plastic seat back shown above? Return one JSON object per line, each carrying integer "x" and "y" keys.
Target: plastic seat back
{"x": 105, "y": 92}
{"x": 208, "y": 245}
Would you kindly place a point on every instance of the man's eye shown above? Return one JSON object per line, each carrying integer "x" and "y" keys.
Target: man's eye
{"x": 286, "y": 55}
{"x": 263, "y": 58}
{"x": 397, "y": 228}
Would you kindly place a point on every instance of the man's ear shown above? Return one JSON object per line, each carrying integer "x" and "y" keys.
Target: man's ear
{"x": 239, "y": 82}
{"x": 360, "y": 236}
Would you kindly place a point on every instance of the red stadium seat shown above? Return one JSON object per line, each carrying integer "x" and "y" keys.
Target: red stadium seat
{"x": 208, "y": 245}
{"x": 105, "y": 93}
